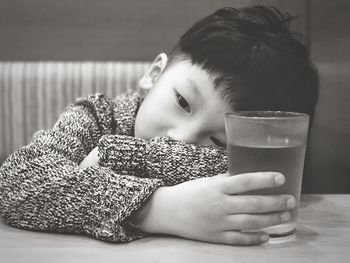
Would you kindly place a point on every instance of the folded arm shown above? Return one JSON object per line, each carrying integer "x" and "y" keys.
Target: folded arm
{"x": 43, "y": 188}
{"x": 164, "y": 158}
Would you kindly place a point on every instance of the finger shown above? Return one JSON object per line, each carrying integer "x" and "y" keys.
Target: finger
{"x": 244, "y": 239}
{"x": 241, "y": 183}
{"x": 254, "y": 204}
{"x": 255, "y": 221}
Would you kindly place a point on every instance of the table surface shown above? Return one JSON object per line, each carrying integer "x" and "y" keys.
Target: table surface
{"x": 323, "y": 235}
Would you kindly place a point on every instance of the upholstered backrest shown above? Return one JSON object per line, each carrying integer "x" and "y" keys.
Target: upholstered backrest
{"x": 33, "y": 94}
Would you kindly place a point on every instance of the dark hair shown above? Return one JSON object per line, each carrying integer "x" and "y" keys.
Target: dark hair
{"x": 258, "y": 62}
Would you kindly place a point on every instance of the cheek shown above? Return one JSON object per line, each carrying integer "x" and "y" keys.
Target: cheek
{"x": 142, "y": 122}
{"x": 152, "y": 120}
{"x": 146, "y": 123}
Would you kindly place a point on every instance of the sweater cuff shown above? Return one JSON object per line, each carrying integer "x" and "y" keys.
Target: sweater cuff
{"x": 123, "y": 154}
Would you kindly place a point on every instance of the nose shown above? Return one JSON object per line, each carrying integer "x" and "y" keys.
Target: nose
{"x": 185, "y": 134}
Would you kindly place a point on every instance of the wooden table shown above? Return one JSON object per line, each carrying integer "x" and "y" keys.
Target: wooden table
{"x": 323, "y": 235}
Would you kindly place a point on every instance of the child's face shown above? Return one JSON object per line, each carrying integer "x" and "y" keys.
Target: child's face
{"x": 183, "y": 105}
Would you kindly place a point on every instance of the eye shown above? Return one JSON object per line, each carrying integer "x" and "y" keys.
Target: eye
{"x": 182, "y": 102}
{"x": 217, "y": 142}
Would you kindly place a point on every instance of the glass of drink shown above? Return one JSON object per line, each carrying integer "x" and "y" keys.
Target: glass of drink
{"x": 274, "y": 141}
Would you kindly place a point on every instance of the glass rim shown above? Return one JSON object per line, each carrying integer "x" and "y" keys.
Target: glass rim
{"x": 274, "y": 115}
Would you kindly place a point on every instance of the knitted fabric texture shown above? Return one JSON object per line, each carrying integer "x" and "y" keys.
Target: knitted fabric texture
{"x": 43, "y": 188}
{"x": 180, "y": 162}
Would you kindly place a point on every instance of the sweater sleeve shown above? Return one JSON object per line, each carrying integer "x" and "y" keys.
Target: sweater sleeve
{"x": 162, "y": 157}
{"x": 43, "y": 188}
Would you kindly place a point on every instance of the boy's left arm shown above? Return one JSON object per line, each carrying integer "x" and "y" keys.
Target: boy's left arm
{"x": 172, "y": 161}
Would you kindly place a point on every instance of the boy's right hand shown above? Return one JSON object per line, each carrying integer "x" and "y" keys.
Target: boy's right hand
{"x": 212, "y": 209}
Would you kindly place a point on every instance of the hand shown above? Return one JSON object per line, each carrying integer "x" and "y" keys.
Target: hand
{"x": 90, "y": 160}
{"x": 210, "y": 209}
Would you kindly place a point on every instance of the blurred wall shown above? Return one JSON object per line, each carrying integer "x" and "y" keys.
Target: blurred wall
{"x": 105, "y": 29}
{"x": 328, "y": 167}
{"x": 133, "y": 30}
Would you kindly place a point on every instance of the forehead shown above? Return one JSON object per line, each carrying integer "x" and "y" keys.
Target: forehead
{"x": 187, "y": 68}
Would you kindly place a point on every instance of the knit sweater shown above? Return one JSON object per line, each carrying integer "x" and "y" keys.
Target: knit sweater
{"x": 42, "y": 187}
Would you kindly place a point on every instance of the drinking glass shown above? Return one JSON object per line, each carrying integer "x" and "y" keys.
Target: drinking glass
{"x": 269, "y": 141}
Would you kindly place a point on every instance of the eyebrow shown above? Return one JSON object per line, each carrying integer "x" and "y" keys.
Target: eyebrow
{"x": 195, "y": 89}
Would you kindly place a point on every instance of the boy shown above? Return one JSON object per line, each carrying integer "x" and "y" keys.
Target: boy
{"x": 142, "y": 158}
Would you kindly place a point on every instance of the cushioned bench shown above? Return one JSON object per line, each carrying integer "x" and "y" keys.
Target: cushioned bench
{"x": 33, "y": 94}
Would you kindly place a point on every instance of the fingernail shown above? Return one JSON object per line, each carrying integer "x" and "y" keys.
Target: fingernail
{"x": 264, "y": 238}
{"x": 279, "y": 179}
{"x": 286, "y": 216}
{"x": 291, "y": 203}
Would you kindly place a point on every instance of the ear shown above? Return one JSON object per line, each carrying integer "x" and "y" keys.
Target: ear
{"x": 153, "y": 72}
